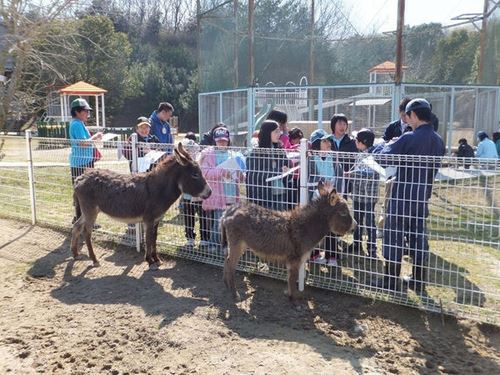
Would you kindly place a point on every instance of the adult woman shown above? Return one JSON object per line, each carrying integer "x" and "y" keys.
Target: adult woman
{"x": 82, "y": 147}
{"x": 265, "y": 165}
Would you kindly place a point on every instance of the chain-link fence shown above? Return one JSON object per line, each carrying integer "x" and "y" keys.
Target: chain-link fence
{"x": 428, "y": 240}
{"x": 462, "y": 110}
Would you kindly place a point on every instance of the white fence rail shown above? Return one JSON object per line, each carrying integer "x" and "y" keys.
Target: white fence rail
{"x": 460, "y": 256}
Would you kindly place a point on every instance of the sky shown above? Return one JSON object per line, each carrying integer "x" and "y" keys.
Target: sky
{"x": 381, "y": 15}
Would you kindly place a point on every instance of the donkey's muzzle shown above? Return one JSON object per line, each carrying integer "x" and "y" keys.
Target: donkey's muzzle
{"x": 207, "y": 192}
{"x": 353, "y": 226}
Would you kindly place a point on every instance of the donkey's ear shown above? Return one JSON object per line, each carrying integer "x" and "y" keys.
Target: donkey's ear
{"x": 334, "y": 197}
{"x": 183, "y": 151}
{"x": 179, "y": 156}
{"x": 322, "y": 188}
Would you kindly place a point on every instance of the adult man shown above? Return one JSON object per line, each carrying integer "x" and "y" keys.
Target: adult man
{"x": 398, "y": 127}
{"x": 407, "y": 207}
{"x": 160, "y": 127}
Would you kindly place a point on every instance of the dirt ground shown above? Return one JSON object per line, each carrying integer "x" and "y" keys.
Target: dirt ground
{"x": 65, "y": 317}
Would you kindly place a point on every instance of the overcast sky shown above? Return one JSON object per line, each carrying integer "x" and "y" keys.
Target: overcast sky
{"x": 381, "y": 15}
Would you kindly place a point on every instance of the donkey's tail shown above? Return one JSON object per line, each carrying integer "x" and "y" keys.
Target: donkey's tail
{"x": 223, "y": 235}
{"x": 78, "y": 211}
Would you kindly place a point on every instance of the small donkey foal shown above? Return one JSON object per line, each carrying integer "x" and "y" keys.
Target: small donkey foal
{"x": 287, "y": 237}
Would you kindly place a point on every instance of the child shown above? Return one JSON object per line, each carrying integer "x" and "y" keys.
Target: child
{"x": 323, "y": 166}
{"x": 365, "y": 190}
{"x": 142, "y": 129}
{"x": 224, "y": 182}
{"x": 191, "y": 206}
{"x": 465, "y": 150}
{"x": 294, "y": 136}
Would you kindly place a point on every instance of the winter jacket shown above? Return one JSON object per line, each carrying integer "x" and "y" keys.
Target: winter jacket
{"x": 263, "y": 163}
{"x": 214, "y": 176}
{"x": 365, "y": 181}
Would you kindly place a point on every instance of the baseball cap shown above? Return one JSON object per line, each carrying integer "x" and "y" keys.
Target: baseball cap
{"x": 319, "y": 134}
{"x": 482, "y": 135}
{"x": 80, "y": 103}
{"x": 418, "y": 103}
{"x": 143, "y": 123}
{"x": 221, "y": 133}
{"x": 366, "y": 137}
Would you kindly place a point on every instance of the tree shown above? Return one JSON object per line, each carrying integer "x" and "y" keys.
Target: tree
{"x": 26, "y": 28}
{"x": 454, "y": 58}
{"x": 104, "y": 60}
{"x": 421, "y": 43}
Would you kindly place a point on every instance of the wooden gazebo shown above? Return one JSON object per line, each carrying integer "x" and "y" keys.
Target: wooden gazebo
{"x": 83, "y": 89}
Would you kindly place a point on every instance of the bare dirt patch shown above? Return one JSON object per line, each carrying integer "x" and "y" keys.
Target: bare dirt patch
{"x": 60, "y": 316}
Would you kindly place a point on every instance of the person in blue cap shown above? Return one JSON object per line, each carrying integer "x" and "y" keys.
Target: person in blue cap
{"x": 407, "y": 207}
{"x": 486, "y": 149}
{"x": 323, "y": 167}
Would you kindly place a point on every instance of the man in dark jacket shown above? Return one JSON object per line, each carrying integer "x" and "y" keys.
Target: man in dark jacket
{"x": 407, "y": 207}
{"x": 398, "y": 127}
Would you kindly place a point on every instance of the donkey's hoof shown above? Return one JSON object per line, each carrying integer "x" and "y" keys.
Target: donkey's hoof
{"x": 158, "y": 263}
{"x": 153, "y": 267}
{"x": 78, "y": 257}
{"x": 97, "y": 264}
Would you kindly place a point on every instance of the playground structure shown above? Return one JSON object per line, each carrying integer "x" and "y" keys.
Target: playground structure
{"x": 59, "y": 103}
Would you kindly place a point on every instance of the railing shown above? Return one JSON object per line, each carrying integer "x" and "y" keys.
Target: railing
{"x": 461, "y": 261}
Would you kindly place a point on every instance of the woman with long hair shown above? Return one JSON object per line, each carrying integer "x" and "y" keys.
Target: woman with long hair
{"x": 265, "y": 165}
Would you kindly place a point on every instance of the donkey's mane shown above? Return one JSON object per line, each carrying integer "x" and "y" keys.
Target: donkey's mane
{"x": 311, "y": 206}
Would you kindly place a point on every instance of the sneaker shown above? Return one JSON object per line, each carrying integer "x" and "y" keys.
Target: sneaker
{"x": 332, "y": 262}
{"x": 189, "y": 243}
{"x": 318, "y": 259}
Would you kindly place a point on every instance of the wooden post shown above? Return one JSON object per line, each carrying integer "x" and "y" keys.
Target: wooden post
{"x": 482, "y": 42}
{"x": 399, "y": 42}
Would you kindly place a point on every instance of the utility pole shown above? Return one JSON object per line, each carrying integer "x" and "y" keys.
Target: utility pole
{"x": 482, "y": 42}
{"x": 251, "y": 73}
{"x": 236, "y": 45}
{"x": 399, "y": 42}
{"x": 311, "y": 47}
{"x": 198, "y": 34}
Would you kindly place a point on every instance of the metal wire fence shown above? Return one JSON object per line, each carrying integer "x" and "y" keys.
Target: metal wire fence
{"x": 428, "y": 233}
{"x": 462, "y": 110}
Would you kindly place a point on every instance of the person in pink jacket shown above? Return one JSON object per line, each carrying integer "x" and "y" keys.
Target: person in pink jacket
{"x": 225, "y": 182}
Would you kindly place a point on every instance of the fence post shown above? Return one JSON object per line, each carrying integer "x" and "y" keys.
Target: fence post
{"x": 31, "y": 176}
{"x": 452, "y": 119}
{"x": 304, "y": 195}
{"x": 135, "y": 168}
